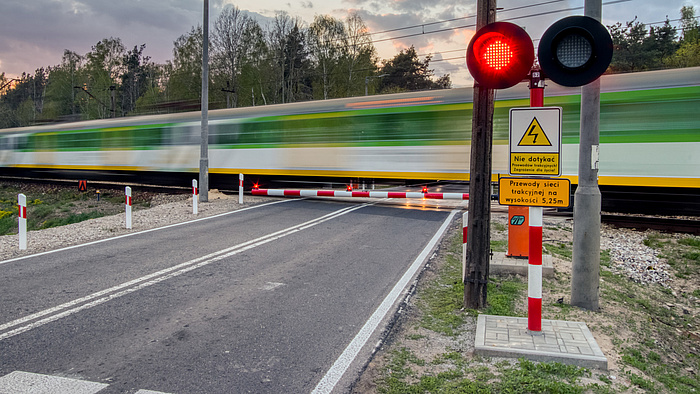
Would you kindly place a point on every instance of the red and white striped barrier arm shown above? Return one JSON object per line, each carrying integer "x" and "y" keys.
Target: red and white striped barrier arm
{"x": 370, "y": 194}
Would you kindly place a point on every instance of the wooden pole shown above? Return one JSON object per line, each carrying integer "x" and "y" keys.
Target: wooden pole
{"x": 478, "y": 241}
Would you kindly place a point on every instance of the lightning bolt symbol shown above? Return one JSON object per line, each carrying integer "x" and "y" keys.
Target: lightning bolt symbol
{"x": 531, "y": 134}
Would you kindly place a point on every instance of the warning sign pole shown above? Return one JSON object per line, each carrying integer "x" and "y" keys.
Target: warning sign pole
{"x": 534, "y": 288}
{"x": 518, "y": 236}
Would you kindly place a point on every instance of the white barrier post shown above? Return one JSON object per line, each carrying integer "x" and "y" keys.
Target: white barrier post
{"x": 195, "y": 193}
{"x": 240, "y": 188}
{"x": 128, "y": 207}
{"x": 465, "y": 224}
{"x": 22, "y": 207}
{"x": 534, "y": 272}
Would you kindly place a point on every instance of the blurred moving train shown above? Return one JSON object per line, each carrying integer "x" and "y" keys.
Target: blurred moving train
{"x": 649, "y": 136}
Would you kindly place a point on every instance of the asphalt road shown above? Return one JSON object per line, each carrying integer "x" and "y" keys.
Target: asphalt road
{"x": 262, "y": 300}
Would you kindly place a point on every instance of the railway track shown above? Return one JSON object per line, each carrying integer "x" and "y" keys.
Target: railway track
{"x": 665, "y": 224}
{"x": 621, "y": 220}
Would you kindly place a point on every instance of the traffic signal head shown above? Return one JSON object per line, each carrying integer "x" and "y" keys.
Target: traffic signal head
{"x": 500, "y": 55}
{"x": 575, "y": 51}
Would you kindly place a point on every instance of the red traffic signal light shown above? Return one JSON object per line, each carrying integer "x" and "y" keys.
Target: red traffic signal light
{"x": 500, "y": 55}
{"x": 575, "y": 51}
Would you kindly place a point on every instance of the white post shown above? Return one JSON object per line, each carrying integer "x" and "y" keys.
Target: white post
{"x": 22, "y": 207}
{"x": 240, "y": 188}
{"x": 128, "y": 207}
{"x": 195, "y": 193}
{"x": 465, "y": 224}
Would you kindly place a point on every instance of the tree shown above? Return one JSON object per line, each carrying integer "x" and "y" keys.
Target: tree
{"x": 60, "y": 90}
{"x": 138, "y": 77}
{"x": 636, "y": 50}
{"x": 405, "y": 72}
{"x": 326, "y": 38}
{"x": 360, "y": 55}
{"x": 256, "y": 66}
{"x": 102, "y": 70}
{"x": 688, "y": 53}
{"x": 227, "y": 49}
{"x": 297, "y": 66}
{"x": 185, "y": 71}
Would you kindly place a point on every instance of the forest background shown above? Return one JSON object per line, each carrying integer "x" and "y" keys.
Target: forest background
{"x": 283, "y": 62}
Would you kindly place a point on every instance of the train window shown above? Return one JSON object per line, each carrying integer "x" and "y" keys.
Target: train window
{"x": 22, "y": 143}
{"x": 45, "y": 141}
{"x": 225, "y": 133}
{"x": 146, "y": 138}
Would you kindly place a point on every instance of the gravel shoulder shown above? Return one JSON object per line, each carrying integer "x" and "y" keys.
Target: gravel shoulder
{"x": 165, "y": 210}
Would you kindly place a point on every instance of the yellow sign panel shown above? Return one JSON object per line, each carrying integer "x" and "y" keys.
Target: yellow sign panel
{"x": 534, "y": 135}
{"x": 534, "y": 192}
{"x": 534, "y": 163}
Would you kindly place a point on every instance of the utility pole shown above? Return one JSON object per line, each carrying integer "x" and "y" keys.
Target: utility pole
{"x": 478, "y": 242}
{"x": 585, "y": 280}
{"x": 204, "y": 156}
{"x": 228, "y": 92}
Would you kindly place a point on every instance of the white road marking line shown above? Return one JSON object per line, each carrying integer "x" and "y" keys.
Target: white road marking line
{"x": 143, "y": 232}
{"x": 332, "y": 377}
{"x": 100, "y": 297}
{"x": 19, "y": 382}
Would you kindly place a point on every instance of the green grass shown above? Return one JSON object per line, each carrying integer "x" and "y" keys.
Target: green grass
{"x": 442, "y": 301}
{"x": 501, "y": 296}
{"x": 651, "y": 327}
{"x": 560, "y": 249}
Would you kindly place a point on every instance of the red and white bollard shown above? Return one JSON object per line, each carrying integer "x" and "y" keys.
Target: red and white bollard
{"x": 534, "y": 271}
{"x": 465, "y": 224}
{"x": 195, "y": 193}
{"x": 128, "y": 207}
{"x": 22, "y": 208}
{"x": 240, "y": 188}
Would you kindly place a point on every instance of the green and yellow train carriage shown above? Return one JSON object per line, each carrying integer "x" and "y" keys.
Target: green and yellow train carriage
{"x": 649, "y": 136}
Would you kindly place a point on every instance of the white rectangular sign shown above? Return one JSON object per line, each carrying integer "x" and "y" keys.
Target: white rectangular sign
{"x": 535, "y": 141}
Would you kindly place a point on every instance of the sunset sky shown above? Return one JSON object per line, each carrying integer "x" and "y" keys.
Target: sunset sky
{"x": 34, "y": 33}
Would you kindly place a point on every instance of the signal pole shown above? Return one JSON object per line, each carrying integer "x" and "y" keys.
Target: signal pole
{"x": 478, "y": 241}
{"x": 204, "y": 147}
{"x": 585, "y": 280}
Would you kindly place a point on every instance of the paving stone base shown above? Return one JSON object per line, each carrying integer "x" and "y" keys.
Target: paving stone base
{"x": 562, "y": 341}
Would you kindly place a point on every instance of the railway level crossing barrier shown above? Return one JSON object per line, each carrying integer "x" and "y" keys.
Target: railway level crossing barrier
{"x": 366, "y": 194}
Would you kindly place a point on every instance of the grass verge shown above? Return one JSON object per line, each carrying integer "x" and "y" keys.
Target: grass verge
{"x": 650, "y": 332}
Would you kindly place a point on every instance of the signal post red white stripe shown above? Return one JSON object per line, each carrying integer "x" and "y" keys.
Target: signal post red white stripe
{"x": 22, "y": 213}
{"x": 367, "y": 194}
{"x": 534, "y": 271}
{"x": 465, "y": 228}
{"x": 240, "y": 188}
{"x": 128, "y": 207}
{"x": 195, "y": 194}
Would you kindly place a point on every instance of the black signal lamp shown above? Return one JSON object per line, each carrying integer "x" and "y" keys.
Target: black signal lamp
{"x": 575, "y": 51}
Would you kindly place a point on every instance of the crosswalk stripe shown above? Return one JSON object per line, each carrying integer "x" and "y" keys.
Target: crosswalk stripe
{"x": 20, "y": 382}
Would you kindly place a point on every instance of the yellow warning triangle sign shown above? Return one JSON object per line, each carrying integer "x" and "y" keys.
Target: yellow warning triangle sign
{"x": 534, "y": 135}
